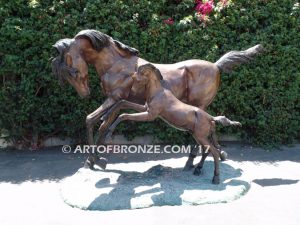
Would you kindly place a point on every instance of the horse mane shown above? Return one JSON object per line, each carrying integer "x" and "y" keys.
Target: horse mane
{"x": 100, "y": 40}
{"x": 59, "y": 68}
{"x": 153, "y": 69}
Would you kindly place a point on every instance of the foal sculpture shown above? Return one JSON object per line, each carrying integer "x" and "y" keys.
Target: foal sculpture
{"x": 160, "y": 102}
{"x": 193, "y": 81}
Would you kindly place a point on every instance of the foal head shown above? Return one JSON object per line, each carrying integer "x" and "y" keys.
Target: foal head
{"x": 146, "y": 73}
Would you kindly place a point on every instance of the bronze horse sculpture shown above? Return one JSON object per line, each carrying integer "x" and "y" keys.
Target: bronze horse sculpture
{"x": 160, "y": 102}
{"x": 194, "y": 82}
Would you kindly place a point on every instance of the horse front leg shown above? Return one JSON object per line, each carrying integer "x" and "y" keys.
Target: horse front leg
{"x": 143, "y": 116}
{"x": 112, "y": 114}
{"x": 91, "y": 120}
{"x": 123, "y": 104}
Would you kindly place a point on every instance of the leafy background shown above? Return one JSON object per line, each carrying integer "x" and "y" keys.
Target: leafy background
{"x": 263, "y": 95}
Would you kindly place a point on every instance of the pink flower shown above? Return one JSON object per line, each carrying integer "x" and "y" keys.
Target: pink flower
{"x": 204, "y": 8}
{"x": 224, "y": 2}
{"x": 169, "y": 21}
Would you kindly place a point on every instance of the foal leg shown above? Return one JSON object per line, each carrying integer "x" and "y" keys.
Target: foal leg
{"x": 223, "y": 154}
{"x": 226, "y": 122}
{"x": 124, "y": 104}
{"x": 143, "y": 116}
{"x": 214, "y": 152}
{"x": 112, "y": 113}
{"x": 198, "y": 169}
{"x": 109, "y": 118}
{"x": 190, "y": 162}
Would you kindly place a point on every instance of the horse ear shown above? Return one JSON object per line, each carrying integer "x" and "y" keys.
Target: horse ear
{"x": 69, "y": 60}
{"x": 62, "y": 45}
{"x": 58, "y": 48}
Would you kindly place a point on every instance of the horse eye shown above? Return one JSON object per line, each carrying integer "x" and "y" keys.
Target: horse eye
{"x": 74, "y": 72}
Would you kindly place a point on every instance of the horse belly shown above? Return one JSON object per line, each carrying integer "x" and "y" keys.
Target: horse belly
{"x": 175, "y": 81}
{"x": 194, "y": 82}
{"x": 179, "y": 119}
{"x": 203, "y": 83}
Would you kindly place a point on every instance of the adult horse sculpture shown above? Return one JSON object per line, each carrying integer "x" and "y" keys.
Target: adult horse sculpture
{"x": 193, "y": 81}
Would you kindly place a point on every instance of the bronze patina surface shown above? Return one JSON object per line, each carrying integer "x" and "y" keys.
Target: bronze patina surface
{"x": 161, "y": 102}
{"x": 193, "y": 81}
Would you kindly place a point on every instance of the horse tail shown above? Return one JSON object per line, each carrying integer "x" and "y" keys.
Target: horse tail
{"x": 234, "y": 58}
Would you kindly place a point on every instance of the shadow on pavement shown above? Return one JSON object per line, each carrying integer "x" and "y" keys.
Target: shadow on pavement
{"x": 172, "y": 185}
{"x": 274, "y": 182}
{"x": 17, "y": 166}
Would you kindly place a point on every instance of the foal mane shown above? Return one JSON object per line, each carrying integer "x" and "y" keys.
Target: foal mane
{"x": 100, "y": 40}
{"x": 153, "y": 69}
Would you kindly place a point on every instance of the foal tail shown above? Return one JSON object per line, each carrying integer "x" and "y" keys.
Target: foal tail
{"x": 234, "y": 58}
{"x": 225, "y": 121}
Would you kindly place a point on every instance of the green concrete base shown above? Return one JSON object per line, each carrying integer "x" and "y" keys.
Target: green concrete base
{"x": 153, "y": 183}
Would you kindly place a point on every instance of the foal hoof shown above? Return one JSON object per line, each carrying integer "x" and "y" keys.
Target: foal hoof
{"x": 223, "y": 155}
{"x": 188, "y": 167}
{"x": 197, "y": 171}
{"x": 236, "y": 123}
{"x": 88, "y": 164}
{"x": 102, "y": 163}
{"x": 104, "y": 117}
{"x": 108, "y": 138}
{"x": 216, "y": 180}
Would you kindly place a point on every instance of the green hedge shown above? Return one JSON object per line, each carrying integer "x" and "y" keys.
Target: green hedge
{"x": 263, "y": 95}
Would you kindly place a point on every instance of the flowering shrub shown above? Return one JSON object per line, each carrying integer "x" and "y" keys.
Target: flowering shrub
{"x": 264, "y": 95}
{"x": 169, "y": 21}
{"x": 204, "y": 9}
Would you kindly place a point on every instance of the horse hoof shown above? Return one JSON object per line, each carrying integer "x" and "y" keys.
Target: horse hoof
{"x": 88, "y": 164}
{"x": 197, "y": 171}
{"x": 216, "y": 180}
{"x": 102, "y": 163}
{"x": 237, "y": 124}
{"x": 223, "y": 155}
{"x": 108, "y": 138}
{"x": 188, "y": 167}
{"x": 104, "y": 117}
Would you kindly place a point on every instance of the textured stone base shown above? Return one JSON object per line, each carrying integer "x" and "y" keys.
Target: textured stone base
{"x": 152, "y": 183}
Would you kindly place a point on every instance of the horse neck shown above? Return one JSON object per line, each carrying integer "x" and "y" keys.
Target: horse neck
{"x": 104, "y": 60}
{"x": 110, "y": 59}
{"x": 153, "y": 87}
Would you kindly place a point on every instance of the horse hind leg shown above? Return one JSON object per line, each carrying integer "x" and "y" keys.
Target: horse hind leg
{"x": 205, "y": 142}
{"x": 198, "y": 169}
{"x": 190, "y": 162}
{"x": 223, "y": 155}
{"x": 226, "y": 122}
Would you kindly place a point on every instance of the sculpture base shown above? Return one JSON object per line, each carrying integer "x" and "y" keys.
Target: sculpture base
{"x": 152, "y": 183}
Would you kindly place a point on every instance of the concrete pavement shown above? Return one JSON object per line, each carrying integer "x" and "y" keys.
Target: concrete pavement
{"x": 30, "y": 181}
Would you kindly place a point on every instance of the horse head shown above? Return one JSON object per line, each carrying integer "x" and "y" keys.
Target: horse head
{"x": 74, "y": 55}
{"x": 70, "y": 66}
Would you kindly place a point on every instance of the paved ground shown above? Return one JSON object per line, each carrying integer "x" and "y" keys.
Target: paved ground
{"x": 29, "y": 191}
